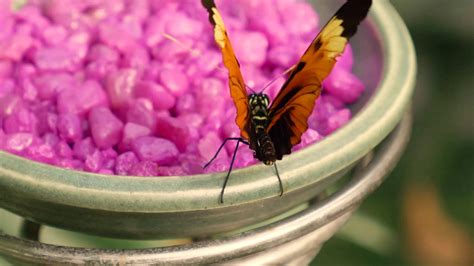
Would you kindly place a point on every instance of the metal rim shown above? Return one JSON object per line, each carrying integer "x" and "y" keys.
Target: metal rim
{"x": 204, "y": 252}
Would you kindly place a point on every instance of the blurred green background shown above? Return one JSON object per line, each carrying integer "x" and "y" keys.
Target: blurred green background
{"x": 423, "y": 214}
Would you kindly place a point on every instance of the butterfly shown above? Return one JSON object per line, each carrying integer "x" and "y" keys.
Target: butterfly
{"x": 272, "y": 129}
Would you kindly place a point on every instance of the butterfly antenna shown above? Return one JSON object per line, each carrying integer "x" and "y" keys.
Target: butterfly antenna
{"x": 228, "y": 173}
{"x": 194, "y": 52}
{"x": 275, "y": 79}
{"x": 248, "y": 87}
{"x": 279, "y": 179}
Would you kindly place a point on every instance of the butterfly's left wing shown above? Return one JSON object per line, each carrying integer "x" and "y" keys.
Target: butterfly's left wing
{"x": 236, "y": 81}
{"x": 294, "y": 103}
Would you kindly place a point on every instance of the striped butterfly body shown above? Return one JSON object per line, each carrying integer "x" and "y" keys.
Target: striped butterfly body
{"x": 272, "y": 129}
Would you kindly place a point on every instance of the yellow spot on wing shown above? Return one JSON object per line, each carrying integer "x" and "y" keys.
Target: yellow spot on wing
{"x": 219, "y": 30}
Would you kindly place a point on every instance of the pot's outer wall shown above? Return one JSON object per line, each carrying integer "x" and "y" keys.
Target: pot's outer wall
{"x": 141, "y": 208}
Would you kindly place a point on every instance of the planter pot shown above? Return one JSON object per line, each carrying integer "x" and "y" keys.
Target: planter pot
{"x": 187, "y": 206}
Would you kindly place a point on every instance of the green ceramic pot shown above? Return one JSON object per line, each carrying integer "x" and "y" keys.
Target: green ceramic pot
{"x": 187, "y": 206}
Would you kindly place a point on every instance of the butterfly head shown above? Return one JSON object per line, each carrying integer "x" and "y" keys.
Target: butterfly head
{"x": 258, "y": 100}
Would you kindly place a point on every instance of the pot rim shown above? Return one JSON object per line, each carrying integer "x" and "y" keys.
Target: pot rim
{"x": 201, "y": 192}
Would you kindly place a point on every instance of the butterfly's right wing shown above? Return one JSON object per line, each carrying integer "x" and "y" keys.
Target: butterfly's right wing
{"x": 236, "y": 82}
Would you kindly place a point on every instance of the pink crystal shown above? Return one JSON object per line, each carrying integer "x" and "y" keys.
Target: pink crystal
{"x": 125, "y": 162}
{"x": 250, "y": 46}
{"x": 161, "y": 98}
{"x": 42, "y": 153}
{"x": 69, "y": 127}
{"x": 344, "y": 85}
{"x": 106, "y": 128}
{"x": 174, "y": 130}
{"x": 18, "y": 142}
{"x": 79, "y": 100}
{"x": 93, "y": 162}
{"x": 132, "y": 131}
{"x": 120, "y": 87}
{"x": 21, "y": 121}
{"x": 175, "y": 81}
{"x": 141, "y": 112}
{"x": 161, "y": 151}
{"x": 209, "y": 144}
{"x": 83, "y": 148}
{"x": 144, "y": 168}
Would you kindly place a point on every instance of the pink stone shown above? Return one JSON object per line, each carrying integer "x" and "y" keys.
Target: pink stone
{"x": 161, "y": 98}
{"x": 63, "y": 150}
{"x": 144, "y": 168}
{"x": 106, "y": 128}
{"x": 141, "y": 112}
{"x": 174, "y": 130}
{"x": 18, "y": 142}
{"x": 70, "y": 164}
{"x": 83, "y": 148}
{"x": 50, "y": 139}
{"x": 55, "y": 58}
{"x": 218, "y": 165}
{"x": 138, "y": 59}
{"x": 170, "y": 171}
{"x": 117, "y": 36}
{"x": 181, "y": 25}
{"x": 79, "y": 100}
{"x": 14, "y": 47}
{"x": 120, "y": 87}
{"x": 175, "y": 81}
{"x": 346, "y": 60}
{"x": 54, "y": 35}
{"x": 6, "y": 68}
{"x": 21, "y": 121}
{"x": 29, "y": 91}
{"x": 109, "y": 156}
{"x": 191, "y": 163}
{"x": 302, "y": 20}
{"x": 344, "y": 85}
{"x": 103, "y": 53}
{"x": 309, "y": 137}
{"x": 51, "y": 84}
{"x": 7, "y": 86}
{"x": 41, "y": 153}
{"x": 185, "y": 104}
{"x": 251, "y": 46}
{"x": 100, "y": 70}
{"x": 283, "y": 55}
{"x": 125, "y": 162}
{"x": 93, "y": 162}
{"x": 209, "y": 145}
{"x": 9, "y": 104}
{"x": 158, "y": 150}
{"x": 335, "y": 121}
{"x": 210, "y": 90}
{"x": 132, "y": 131}
{"x": 69, "y": 127}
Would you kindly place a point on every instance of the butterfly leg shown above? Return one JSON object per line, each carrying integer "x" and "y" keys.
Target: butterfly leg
{"x": 230, "y": 169}
{"x": 279, "y": 180}
{"x": 220, "y": 148}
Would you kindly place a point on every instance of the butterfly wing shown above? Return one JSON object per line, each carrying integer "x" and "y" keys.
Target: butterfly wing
{"x": 236, "y": 82}
{"x": 294, "y": 103}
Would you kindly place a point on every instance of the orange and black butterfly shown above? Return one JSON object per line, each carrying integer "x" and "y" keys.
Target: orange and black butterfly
{"x": 271, "y": 130}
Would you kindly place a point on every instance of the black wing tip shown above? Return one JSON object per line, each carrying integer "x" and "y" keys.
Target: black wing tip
{"x": 209, "y": 5}
{"x": 352, "y": 13}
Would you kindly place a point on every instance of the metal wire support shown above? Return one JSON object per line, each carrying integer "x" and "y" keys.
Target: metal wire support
{"x": 314, "y": 225}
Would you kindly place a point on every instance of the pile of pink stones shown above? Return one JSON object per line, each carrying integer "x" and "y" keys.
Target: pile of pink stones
{"x": 137, "y": 87}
